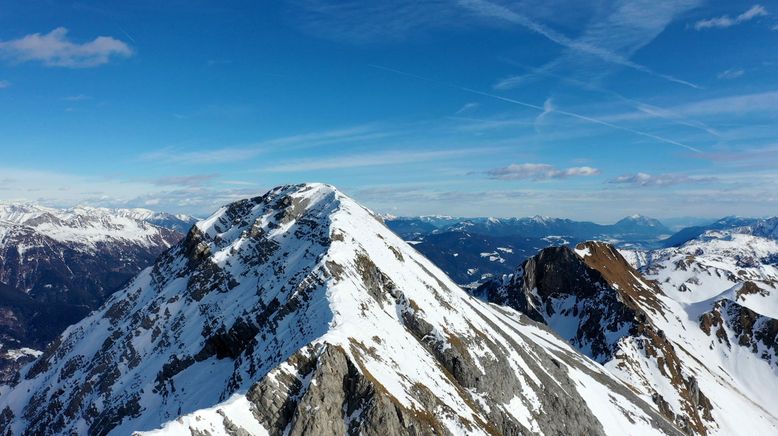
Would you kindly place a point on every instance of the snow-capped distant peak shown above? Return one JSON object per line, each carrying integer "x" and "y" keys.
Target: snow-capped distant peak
{"x": 85, "y": 225}
{"x": 541, "y": 219}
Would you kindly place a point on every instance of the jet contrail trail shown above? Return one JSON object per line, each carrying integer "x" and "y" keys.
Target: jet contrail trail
{"x": 539, "y": 108}
{"x": 646, "y": 108}
{"x": 498, "y": 11}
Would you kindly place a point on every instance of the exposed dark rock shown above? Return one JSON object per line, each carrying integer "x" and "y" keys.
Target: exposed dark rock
{"x": 606, "y": 299}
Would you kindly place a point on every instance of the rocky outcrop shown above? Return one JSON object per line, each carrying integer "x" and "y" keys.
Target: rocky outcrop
{"x": 597, "y": 292}
{"x": 593, "y": 298}
{"x": 734, "y": 325}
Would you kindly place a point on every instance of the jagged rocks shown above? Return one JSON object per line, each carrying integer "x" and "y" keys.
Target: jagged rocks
{"x": 559, "y": 287}
{"x": 736, "y": 325}
{"x": 593, "y": 298}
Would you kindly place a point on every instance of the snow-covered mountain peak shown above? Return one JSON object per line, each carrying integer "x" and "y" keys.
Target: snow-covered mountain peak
{"x": 639, "y": 220}
{"x": 84, "y": 226}
{"x": 300, "y": 312}
{"x": 541, "y": 219}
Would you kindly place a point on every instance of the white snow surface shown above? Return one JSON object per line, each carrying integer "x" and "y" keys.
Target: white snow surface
{"x": 741, "y": 384}
{"x": 82, "y": 225}
{"x": 343, "y": 312}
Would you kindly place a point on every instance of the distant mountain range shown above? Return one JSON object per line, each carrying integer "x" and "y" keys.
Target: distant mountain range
{"x": 471, "y": 250}
{"x": 767, "y": 227}
{"x": 632, "y": 229}
{"x": 56, "y": 265}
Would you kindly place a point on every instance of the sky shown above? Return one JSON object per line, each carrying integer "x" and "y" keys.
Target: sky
{"x": 585, "y": 110}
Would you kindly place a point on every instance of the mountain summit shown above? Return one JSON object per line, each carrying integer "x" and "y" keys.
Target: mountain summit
{"x": 299, "y": 312}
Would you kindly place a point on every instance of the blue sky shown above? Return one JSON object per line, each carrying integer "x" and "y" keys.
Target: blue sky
{"x": 588, "y": 110}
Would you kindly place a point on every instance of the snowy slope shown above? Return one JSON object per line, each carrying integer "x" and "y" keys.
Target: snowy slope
{"x": 710, "y": 368}
{"x": 86, "y": 226}
{"x": 724, "y": 282}
{"x": 713, "y": 265}
{"x": 58, "y": 264}
{"x": 299, "y": 312}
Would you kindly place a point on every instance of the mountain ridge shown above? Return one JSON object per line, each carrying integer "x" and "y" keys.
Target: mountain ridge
{"x": 292, "y": 312}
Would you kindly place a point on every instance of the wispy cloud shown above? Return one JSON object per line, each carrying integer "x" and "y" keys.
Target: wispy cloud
{"x": 467, "y": 108}
{"x": 548, "y": 107}
{"x": 732, "y": 73}
{"x": 509, "y": 82}
{"x": 762, "y": 156}
{"x": 577, "y": 116}
{"x": 590, "y": 43}
{"x": 4, "y": 84}
{"x": 55, "y": 49}
{"x": 236, "y": 154}
{"x": 192, "y": 180}
{"x": 77, "y": 97}
{"x": 659, "y": 112}
{"x": 399, "y": 195}
{"x": 202, "y": 157}
{"x": 374, "y": 21}
{"x": 725, "y": 21}
{"x": 760, "y": 102}
{"x": 394, "y": 157}
{"x": 537, "y": 171}
{"x": 644, "y": 180}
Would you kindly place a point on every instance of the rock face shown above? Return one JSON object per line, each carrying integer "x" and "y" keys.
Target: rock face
{"x": 593, "y": 298}
{"x": 299, "y": 312}
{"x": 57, "y": 265}
{"x": 735, "y": 325}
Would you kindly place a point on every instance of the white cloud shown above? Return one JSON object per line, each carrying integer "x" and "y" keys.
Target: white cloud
{"x": 55, "y": 49}
{"x": 548, "y": 107}
{"x": 732, "y": 73}
{"x": 467, "y": 108}
{"x": 78, "y": 97}
{"x": 4, "y": 84}
{"x": 536, "y": 171}
{"x": 191, "y": 181}
{"x": 377, "y": 159}
{"x": 760, "y": 102}
{"x": 577, "y": 116}
{"x": 648, "y": 180}
{"x": 235, "y": 154}
{"x": 643, "y": 21}
{"x": 509, "y": 82}
{"x": 202, "y": 157}
{"x": 725, "y": 21}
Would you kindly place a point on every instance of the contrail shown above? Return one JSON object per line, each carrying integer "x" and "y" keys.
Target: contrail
{"x": 498, "y": 11}
{"x": 639, "y": 105}
{"x": 127, "y": 35}
{"x": 540, "y": 108}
